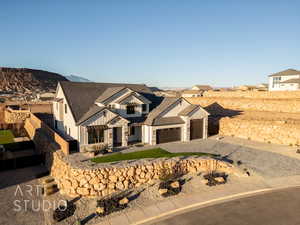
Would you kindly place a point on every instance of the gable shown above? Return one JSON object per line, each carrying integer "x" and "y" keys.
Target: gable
{"x": 175, "y": 109}
{"x": 100, "y": 118}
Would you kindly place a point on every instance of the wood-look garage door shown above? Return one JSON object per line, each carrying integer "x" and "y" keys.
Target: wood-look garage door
{"x": 168, "y": 135}
{"x": 196, "y": 129}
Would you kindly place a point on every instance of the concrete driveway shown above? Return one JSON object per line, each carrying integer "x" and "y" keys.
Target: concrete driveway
{"x": 266, "y": 160}
{"x": 272, "y": 208}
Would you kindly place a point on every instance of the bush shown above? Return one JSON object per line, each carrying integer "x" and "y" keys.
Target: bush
{"x": 61, "y": 213}
{"x": 111, "y": 204}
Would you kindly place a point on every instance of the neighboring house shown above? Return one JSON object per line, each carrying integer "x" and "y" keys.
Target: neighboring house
{"x": 287, "y": 80}
{"x": 191, "y": 93}
{"x": 202, "y": 88}
{"x": 117, "y": 114}
{"x": 246, "y": 88}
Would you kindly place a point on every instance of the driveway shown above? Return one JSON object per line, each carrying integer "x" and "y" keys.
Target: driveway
{"x": 21, "y": 203}
{"x": 272, "y": 208}
{"x": 259, "y": 160}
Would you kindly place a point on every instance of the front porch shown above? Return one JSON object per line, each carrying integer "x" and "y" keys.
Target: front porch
{"x": 111, "y": 136}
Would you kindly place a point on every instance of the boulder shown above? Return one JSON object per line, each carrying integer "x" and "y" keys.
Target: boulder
{"x": 175, "y": 184}
{"x": 124, "y": 201}
{"x": 162, "y": 191}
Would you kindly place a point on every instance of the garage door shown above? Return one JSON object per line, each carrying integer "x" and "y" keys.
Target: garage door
{"x": 196, "y": 129}
{"x": 168, "y": 135}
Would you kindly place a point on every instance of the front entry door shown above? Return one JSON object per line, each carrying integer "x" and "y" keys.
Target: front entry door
{"x": 117, "y": 136}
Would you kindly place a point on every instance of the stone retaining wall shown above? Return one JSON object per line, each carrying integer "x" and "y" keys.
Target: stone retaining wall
{"x": 105, "y": 180}
{"x": 15, "y": 116}
{"x": 273, "y": 105}
{"x": 277, "y": 132}
{"x": 254, "y": 94}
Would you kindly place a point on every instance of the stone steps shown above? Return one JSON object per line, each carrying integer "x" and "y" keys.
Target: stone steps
{"x": 49, "y": 186}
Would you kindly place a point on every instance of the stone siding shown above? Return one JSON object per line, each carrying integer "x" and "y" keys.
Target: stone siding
{"x": 105, "y": 180}
{"x": 276, "y": 132}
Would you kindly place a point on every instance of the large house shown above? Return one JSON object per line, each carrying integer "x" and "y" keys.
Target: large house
{"x": 202, "y": 88}
{"x": 287, "y": 80}
{"x": 118, "y": 114}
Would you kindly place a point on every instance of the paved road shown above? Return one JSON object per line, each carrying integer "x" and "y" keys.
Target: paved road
{"x": 272, "y": 208}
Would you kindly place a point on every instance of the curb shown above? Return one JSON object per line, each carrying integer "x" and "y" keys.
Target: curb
{"x": 215, "y": 201}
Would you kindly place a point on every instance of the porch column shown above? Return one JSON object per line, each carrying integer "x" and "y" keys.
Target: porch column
{"x": 188, "y": 129}
{"x": 125, "y": 135}
{"x": 110, "y": 137}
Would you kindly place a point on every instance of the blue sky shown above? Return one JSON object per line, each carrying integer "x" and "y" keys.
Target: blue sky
{"x": 157, "y": 42}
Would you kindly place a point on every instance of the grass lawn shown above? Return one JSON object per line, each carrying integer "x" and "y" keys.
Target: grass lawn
{"x": 150, "y": 153}
{"x": 6, "y": 136}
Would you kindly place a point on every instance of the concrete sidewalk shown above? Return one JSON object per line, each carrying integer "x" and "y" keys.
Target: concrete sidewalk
{"x": 247, "y": 186}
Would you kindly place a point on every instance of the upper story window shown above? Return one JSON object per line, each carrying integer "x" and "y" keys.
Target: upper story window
{"x": 144, "y": 107}
{"x": 66, "y": 109}
{"x": 130, "y": 109}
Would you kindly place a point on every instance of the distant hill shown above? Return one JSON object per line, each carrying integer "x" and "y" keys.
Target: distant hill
{"x": 23, "y": 80}
{"x": 77, "y": 78}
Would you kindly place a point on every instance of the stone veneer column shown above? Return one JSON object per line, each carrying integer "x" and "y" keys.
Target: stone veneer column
{"x": 205, "y": 121}
{"x": 125, "y": 135}
{"x": 153, "y": 130}
{"x": 110, "y": 137}
{"x": 187, "y": 129}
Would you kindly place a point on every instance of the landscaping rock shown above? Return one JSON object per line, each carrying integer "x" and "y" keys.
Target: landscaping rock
{"x": 162, "y": 191}
{"x": 175, "y": 184}
{"x": 124, "y": 201}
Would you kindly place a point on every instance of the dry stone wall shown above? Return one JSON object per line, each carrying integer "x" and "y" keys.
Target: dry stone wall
{"x": 15, "y": 116}
{"x": 277, "y": 132}
{"x": 75, "y": 180}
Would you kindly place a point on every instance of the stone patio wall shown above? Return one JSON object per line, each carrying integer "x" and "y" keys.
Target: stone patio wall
{"x": 104, "y": 179}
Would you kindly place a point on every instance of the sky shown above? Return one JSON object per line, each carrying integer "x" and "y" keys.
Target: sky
{"x": 164, "y": 43}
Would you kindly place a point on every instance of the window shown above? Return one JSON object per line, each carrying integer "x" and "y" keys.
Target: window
{"x": 144, "y": 107}
{"x": 130, "y": 109}
{"x": 66, "y": 109}
{"x": 69, "y": 131}
{"x": 55, "y": 124}
{"x": 132, "y": 130}
{"x": 95, "y": 134}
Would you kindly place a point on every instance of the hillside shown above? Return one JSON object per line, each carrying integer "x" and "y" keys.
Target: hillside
{"x": 23, "y": 80}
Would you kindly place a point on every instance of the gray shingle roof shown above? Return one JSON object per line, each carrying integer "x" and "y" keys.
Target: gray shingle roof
{"x": 286, "y": 73}
{"x": 168, "y": 101}
{"x": 168, "y": 121}
{"x": 108, "y": 93}
{"x": 92, "y": 111}
{"x": 82, "y": 96}
{"x": 135, "y": 95}
{"x": 187, "y": 110}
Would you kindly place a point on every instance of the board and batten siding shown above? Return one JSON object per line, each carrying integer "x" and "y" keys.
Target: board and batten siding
{"x": 66, "y": 120}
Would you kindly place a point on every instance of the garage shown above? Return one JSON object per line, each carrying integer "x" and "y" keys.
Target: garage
{"x": 196, "y": 129}
{"x": 168, "y": 135}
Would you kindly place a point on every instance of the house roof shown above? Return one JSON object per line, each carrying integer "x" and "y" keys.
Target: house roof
{"x": 192, "y": 92}
{"x": 287, "y": 72}
{"x": 187, "y": 110}
{"x": 203, "y": 87}
{"x": 132, "y": 94}
{"x": 292, "y": 81}
{"x": 82, "y": 96}
{"x": 168, "y": 120}
{"x": 94, "y": 109}
{"x": 168, "y": 101}
{"x": 109, "y": 92}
